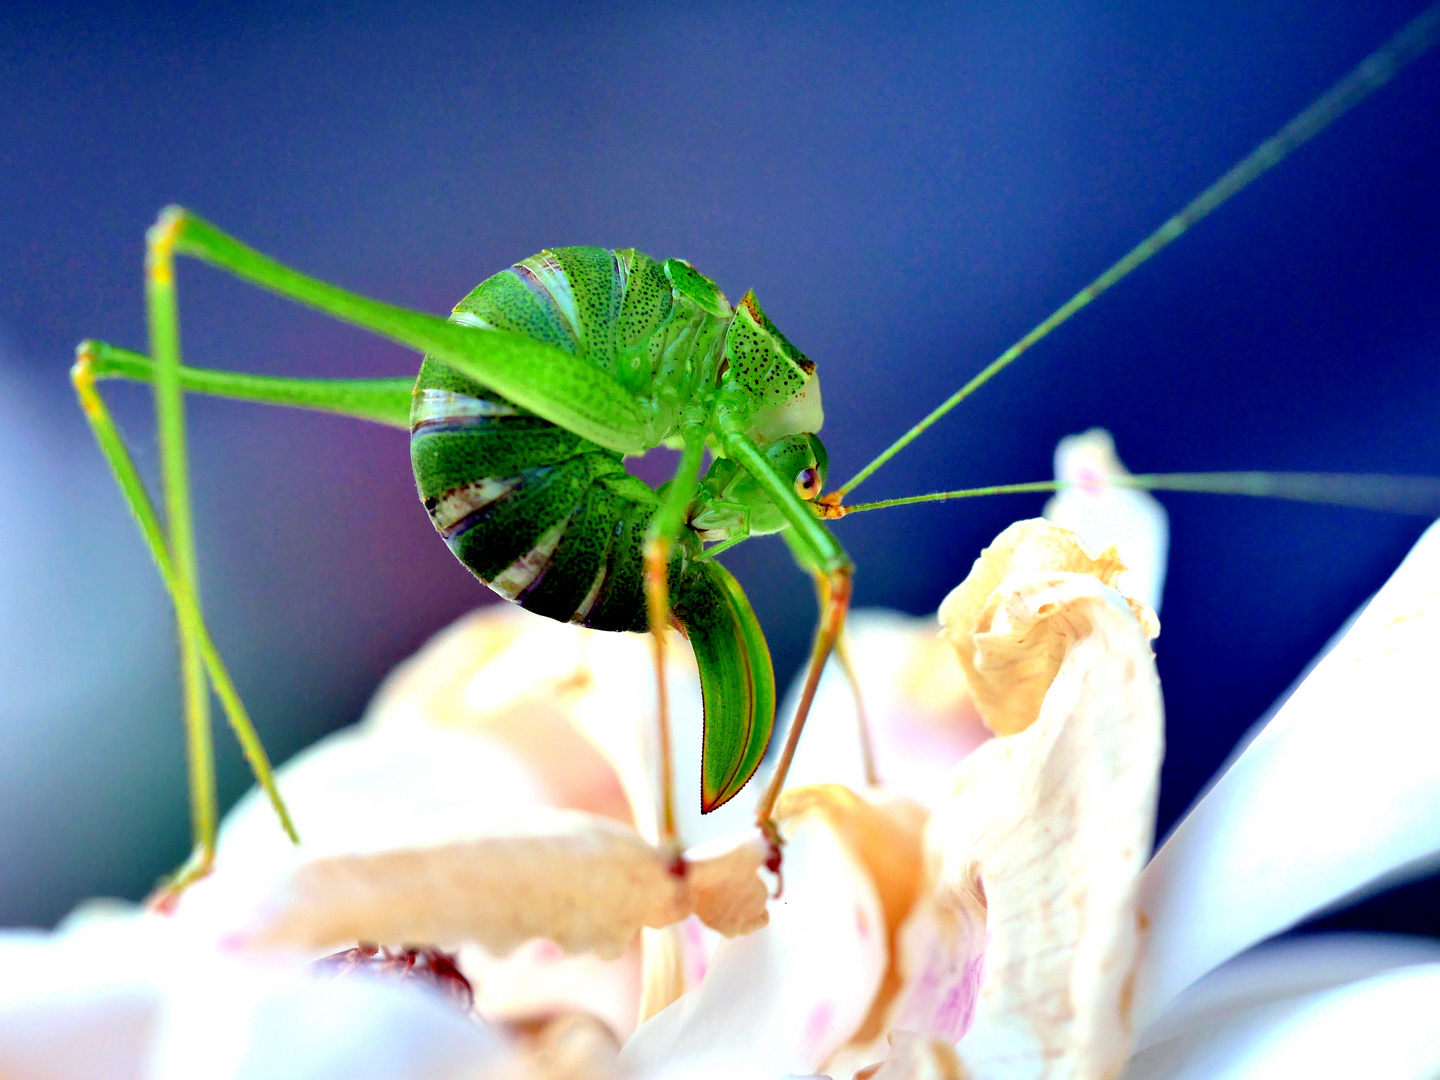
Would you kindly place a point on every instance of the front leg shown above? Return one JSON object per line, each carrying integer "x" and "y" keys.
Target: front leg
{"x": 834, "y": 570}
{"x": 730, "y": 520}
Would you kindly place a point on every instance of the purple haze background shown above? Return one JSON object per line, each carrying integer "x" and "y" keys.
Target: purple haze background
{"x": 907, "y": 188}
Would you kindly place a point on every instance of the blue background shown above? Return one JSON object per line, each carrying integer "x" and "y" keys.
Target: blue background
{"x": 907, "y": 188}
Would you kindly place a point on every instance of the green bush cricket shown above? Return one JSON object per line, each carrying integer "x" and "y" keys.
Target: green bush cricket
{"x": 545, "y": 377}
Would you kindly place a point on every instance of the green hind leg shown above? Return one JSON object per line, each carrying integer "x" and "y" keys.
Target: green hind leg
{"x": 199, "y": 658}
{"x": 381, "y": 400}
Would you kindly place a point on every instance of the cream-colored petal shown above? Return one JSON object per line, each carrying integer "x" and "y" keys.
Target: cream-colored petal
{"x": 1340, "y": 790}
{"x": 1008, "y": 674}
{"x": 784, "y": 998}
{"x": 511, "y": 677}
{"x": 584, "y": 882}
{"x": 1381, "y": 1026}
{"x": 885, "y": 832}
{"x": 1040, "y": 846}
{"x": 915, "y": 1057}
{"x": 1130, "y": 520}
{"x": 442, "y": 837}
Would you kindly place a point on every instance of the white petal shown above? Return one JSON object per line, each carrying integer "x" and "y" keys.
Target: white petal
{"x": 919, "y": 710}
{"x": 138, "y": 996}
{"x": 1382, "y": 1026}
{"x": 1340, "y": 790}
{"x": 780, "y": 1000}
{"x": 1128, "y": 519}
{"x": 74, "y": 1008}
{"x": 1282, "y": 970}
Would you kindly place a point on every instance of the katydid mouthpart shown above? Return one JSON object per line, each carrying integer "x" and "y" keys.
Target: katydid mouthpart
{"x": 531, "y": 395}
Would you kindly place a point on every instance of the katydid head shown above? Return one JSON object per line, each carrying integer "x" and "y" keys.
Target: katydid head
{"x": 779, "y": 379}
{"x": 800, "y": 459}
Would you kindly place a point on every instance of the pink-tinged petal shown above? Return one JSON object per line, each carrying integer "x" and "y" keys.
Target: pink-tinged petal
{"x": 921, "y": 718}
{"x": 784, "y": 998}
{"x": 1381, "y": 1026}
{"x": 1127, "y": 519}
{"x": 1038, "y": 850}
{"x": 1341, "y": 790}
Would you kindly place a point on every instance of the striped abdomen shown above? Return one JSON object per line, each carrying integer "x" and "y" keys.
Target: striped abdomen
{"x": 545, "y": 518}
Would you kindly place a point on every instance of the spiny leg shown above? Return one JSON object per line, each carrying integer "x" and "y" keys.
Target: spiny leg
{"x": 665, "y": 526}
{"x": 196, "y": 644}
{"x": 820, "y": 550}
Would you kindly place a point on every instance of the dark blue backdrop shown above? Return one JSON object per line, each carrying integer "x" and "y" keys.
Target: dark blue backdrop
{"x": 907, "y": 188}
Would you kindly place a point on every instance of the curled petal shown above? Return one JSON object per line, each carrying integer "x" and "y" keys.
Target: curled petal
{"x": 885, "y": 833}
{"x": 1009, "y": 674}
{"x": 1031, "y": 935}
{"x": 1340, "y": 790}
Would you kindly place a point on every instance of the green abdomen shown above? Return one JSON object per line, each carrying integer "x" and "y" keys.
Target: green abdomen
{"x": 544, "y": 517}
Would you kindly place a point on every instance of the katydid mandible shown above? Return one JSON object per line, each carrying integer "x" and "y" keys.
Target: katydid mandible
{"x": 544, "y": 378}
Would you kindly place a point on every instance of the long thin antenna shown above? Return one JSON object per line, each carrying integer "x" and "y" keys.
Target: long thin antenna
{"x": 1366, "y": 491}
{"x": 1373, "y": 72}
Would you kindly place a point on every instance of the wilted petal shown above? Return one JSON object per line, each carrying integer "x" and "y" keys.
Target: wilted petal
{"x": 1340, "y": 789}
{"x": 1381, "y": 1026}
{"x": 586, "y": 883}
{"x": 1009, "y": 673}
{"x": 1130, "y": 520}
{"x": 1041, "y": 844}
{"x": 783, "y": 999}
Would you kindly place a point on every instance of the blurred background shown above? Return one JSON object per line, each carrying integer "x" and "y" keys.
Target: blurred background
{"x": 907, "y": 188}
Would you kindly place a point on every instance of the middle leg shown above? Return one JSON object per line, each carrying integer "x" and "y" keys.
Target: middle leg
{"x": 665, "y": 528}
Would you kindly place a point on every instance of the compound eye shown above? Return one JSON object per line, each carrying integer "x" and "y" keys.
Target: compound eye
{"x": 807, "y": 483}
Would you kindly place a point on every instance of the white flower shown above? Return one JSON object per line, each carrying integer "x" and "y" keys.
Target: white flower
{"x": 988, "y": 912}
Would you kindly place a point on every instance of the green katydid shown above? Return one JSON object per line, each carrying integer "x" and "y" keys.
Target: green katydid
{"x": 543, "y": 379}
